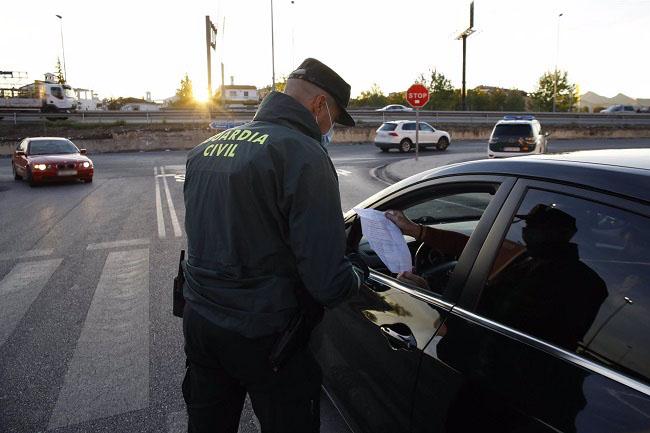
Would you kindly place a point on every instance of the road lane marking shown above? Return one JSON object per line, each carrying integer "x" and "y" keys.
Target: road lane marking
{"x": 18, "y": 290}
{"x": 159, "y": 211}
{"x": 26, "y": 254}
{"x": 343, "y": 172}
{"x": 170, "y": 204}
{"x": 109, "y": 371}
{"x": 117, "y": 244}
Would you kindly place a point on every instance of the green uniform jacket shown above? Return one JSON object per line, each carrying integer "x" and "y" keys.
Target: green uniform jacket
{"x": 263, "y": 217}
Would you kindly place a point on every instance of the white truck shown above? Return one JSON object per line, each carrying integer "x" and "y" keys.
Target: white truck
{"x": 46, "y": 96}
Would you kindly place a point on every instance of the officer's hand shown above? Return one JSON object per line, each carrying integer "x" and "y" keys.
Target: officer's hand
{"x": 359, "y": 264}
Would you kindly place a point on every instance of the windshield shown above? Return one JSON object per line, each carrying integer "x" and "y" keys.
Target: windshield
{"x": 52, "y": 147}
{"x": 514, "y": 130}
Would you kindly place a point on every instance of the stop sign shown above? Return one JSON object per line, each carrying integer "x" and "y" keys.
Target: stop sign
{"x": 417, "y": 96}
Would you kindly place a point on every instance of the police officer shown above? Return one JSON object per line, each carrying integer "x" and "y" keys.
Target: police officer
{"x": 265, "y": 238}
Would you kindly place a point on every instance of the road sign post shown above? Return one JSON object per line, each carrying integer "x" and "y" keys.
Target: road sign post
{"x": 417, "y": 96}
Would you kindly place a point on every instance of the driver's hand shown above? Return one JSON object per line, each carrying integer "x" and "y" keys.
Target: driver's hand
{"x": 407, "y": 226}
{"x": 411, "y": 278}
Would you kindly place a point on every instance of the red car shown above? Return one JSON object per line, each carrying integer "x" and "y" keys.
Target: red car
{"x": 45, "y": 159}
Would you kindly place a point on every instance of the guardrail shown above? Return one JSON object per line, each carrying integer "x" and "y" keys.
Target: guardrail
{"x": 362, "y": 116}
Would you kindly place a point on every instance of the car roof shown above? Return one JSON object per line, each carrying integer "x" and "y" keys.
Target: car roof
{"x": 46, "y": 138}
{"x": 623, "y": 172}
{"x": 516, "y": 121}
{"x": 402, "y": 121}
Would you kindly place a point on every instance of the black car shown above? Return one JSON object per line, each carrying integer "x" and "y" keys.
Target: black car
{"x": 536, "y": 313}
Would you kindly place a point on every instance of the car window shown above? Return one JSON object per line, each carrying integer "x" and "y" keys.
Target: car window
{"x": 576, "y": 273}
{"x": 51, "y": 147}
{"x": 425, "y": 127}
{"x": 388, "y": 127}
{"x": 410, "y": 126}
{"x": 513, "y": 130}
{"x": 57, "y": 92}
{"x": 449, "y": 219}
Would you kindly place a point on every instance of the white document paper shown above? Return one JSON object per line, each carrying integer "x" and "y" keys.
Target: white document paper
{"x": 386, "y": 239}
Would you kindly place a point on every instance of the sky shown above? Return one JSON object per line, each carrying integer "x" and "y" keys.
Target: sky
{"x": 126, "y": 48}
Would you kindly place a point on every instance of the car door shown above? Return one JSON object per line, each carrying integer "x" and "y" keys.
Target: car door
{"x": 551, "y": 332}
{"x": 408, "y": 131}
{"x": 427, "y": 134}
{"x": 20, "y": 161}
{"x": 370, "y": 347}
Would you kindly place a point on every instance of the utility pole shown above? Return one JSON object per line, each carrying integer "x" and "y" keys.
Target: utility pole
{"x": 272, "y": 48}
{"x": 65, "y": 71}
{"x": 464, "y": 35}
{"x": 210, "y": 43}
{"x": 557, "y": 56}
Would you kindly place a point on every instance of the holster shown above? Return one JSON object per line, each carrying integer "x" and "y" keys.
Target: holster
{"x": 178, "y": 300}
{"x": 298, "y": 331}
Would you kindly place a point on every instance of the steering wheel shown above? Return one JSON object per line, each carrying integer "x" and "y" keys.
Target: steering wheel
{"x": 434, "y": 266}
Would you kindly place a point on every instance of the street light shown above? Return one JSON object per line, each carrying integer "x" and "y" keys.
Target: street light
{"x": 272, "y": 47}
{"x": 65, "y": 72}
{"x": 557, "y": 55}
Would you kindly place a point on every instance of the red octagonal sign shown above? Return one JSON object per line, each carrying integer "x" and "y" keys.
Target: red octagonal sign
{"x": 417, "y": 96}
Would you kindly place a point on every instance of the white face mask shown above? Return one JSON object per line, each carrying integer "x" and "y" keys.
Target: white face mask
{"x": 327, "y": 137}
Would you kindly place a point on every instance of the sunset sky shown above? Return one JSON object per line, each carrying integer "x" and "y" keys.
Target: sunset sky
{"x": 125, "y": 48}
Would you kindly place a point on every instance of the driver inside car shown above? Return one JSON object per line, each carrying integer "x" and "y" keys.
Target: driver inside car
{"x": 449, "y": 243}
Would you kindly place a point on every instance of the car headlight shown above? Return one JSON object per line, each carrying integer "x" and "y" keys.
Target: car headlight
{"x": 85, "y": 164}
{"x": 40, "y": 166}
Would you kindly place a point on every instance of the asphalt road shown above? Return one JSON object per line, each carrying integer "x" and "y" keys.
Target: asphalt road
{"x": 87, "y": 338}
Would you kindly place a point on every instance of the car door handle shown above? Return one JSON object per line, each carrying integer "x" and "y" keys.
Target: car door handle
{"x": 399, "y": 336}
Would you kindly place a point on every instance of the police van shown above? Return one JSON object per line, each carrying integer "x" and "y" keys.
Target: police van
{"x": 517, "y": 135}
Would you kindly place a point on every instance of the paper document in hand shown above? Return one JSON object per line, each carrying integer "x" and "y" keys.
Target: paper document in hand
{"x": 386, "y": 239}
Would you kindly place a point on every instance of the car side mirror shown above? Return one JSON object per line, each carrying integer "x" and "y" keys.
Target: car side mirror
{"x": 82, "y": 151}
{"x": 20, "y": 153}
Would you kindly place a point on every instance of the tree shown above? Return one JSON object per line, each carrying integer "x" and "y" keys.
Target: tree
{"x": 441, "y": 92}
{"x": 60, "y": 78}
{"x": 280, "y": 85}
{"x": 373, "y": 97}
{"x": 566, "y": 96}
{"x": 185, "y": 93}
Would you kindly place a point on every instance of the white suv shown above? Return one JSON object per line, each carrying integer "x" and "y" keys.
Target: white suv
{"x": 517, "y": 135}
{"x": 400, "y": 134}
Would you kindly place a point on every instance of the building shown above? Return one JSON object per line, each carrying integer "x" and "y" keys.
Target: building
{"x": 141, "y": 106}
{"x": 242, "y": 95}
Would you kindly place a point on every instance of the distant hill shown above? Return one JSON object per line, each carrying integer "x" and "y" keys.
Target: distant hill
{"x": 593, "y": 100}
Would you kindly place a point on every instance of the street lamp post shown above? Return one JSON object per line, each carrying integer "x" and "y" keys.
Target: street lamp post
{"x": 272, "y": 47}
{"x": 557, "y": 55}
{"x": 65, "y": 71}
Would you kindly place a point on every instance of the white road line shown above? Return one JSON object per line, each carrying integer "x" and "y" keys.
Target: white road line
{"x": 159, "y": 212}
{"x": 109, "y": 371}
{"x": 117, "y": 244}
{"x": 170, "y": 203}
{"x": 19, "y": 288}
{"x": 26, "y": 254}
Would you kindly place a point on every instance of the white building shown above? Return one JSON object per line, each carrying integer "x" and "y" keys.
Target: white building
{"x": 141, "y": 106}
{"x": 236, "y": 94}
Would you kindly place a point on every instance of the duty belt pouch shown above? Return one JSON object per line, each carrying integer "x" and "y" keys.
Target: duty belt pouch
{"x": 179, "y": 281}
{"x": 297, "y": 333}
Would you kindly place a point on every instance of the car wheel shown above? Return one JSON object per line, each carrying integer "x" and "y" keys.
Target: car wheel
{"x": 405, "y": 145}
{"x": 443, "y": 143}
{"x": 384, "y": 149}
{"x": 16, "y": 175}
{"x": 89, "y": 180}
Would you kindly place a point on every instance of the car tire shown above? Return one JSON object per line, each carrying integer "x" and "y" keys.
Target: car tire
{"x": 443, "y": 143}
{"x": 89, "y": 180}
{"x": 405, "y": 145}
{"x": 16, "y": 175}
{"x": 384, "y": 149}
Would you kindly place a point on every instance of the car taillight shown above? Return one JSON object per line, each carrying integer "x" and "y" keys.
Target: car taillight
{"x": 393, "y": 134}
